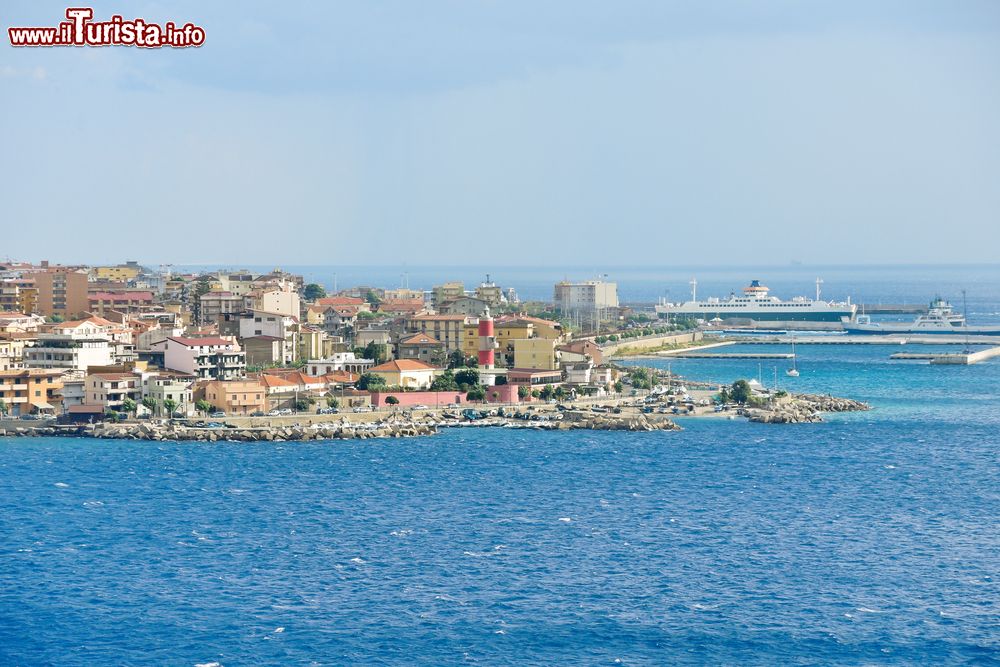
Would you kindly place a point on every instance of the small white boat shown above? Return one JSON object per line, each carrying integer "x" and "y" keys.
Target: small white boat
{"x": 793, "y": 371}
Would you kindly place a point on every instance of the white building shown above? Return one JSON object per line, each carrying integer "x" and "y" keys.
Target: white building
{"x": 206, "y": 358}
{"x": 162, "y": 388}
{"x": 69, "y": 352}
{"x": 275, "y": 325}
{"x": 588, "y": 302}
{"x": 338, "y": 362}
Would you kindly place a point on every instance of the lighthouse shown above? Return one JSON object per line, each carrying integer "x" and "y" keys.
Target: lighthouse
{"x": 487, "y": 342}
{"x": 487, "y": 345}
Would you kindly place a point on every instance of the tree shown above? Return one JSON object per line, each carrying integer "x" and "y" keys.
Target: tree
{"x": 203, "y": 406}
{"x": 111, "y": 415}
{"x": 203, "y": 287}
{"x": 3, "y": 407}
{"x": 469, "y": 376}
{"x": 150, "y": 404}
{"x": 331, "y": 402}
{"x": 391, "y": 400}
{"x": 619, "y": 387}
{"x": 741, "y": 392}
{"x": 301, "y": 405}
{"x": 374, "y": 351}
{"x": 371, "y": 382}
{"x": 456, "y": 359}
{"x": 169, "y": 405}
{"x": 372, "y": 298}
{"x": 445, "y": 382}
{"x": 546, "y": 392}
{"x": 128, "y": 405}
{"x": 56, "y": 318}
{"x": 477, "y": 393}
{"x": 523, "y": 391}
{"x": 640, "y": 378}
{"x": 313, "y": 291}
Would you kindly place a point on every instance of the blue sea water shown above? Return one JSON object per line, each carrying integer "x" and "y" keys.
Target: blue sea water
{"x": 872, "y": 538}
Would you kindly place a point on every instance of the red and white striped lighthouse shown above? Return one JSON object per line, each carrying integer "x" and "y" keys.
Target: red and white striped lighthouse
{"x": 487, "y": 341}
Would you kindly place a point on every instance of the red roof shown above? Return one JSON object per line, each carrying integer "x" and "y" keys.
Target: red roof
{"x": 121, "y": 296}
{"x": 420, "y": 339}
{"x": 397, "y": 365}
{"x": 197, "y": 342}
{"x": 339, "y": 301}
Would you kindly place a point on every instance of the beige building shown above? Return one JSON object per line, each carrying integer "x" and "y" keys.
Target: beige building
{"x": 111, "y": 389}
{"x": 26, "y": 391}
{"x": 406, "y": 373}
{"x": 62, "y": 292}
{"x": 122, "y": 273}
{"x": 448, "y": 329}
{"x": 536, "y": 353}
{"x": 237, "y": 397}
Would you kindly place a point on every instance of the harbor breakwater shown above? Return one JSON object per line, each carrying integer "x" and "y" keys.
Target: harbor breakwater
{"x": 804, "y": 408}
{"x": 572, "y": 419}
{"x": 793, "y": 409}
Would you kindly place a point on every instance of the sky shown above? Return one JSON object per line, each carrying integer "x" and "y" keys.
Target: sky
{"x": 511, "y": 132}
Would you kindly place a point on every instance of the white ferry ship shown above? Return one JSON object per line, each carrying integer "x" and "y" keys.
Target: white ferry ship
{"x": 939, "y": 319}
{"x": 757, "y": 304}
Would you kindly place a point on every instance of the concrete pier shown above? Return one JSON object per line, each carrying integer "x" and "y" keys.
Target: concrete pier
{"x": 951, "y": 358}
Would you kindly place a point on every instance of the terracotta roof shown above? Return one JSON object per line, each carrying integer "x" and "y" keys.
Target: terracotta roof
{"x": 116, "y": 376}
{"x": 340, "y": 301}
{"x": 121, "y": 296}
{"x": 85, "y": 409}
{"x": 419, "y": 339}
{"x": 196, "y": 342}
{"x": 341, "y": 377}
{"x": 439, "y": 317}
{"x": 95, "y": 320}
{"x": 397, "y": 365}
{"x": 275, "y": 381}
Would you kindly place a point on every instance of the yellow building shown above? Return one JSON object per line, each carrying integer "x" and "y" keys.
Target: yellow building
{"x": 121, "y": 273}
{"x": 236, "y": 397}
{"x": 536, "y": 353}
{"x": 27, "y": 391}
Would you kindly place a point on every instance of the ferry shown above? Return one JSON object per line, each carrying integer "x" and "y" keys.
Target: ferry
{"x": 757, "y": 304}
{"x": 939, "y": 319}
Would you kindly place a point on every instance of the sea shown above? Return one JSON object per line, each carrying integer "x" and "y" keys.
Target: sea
{"x": 869, "y": 539}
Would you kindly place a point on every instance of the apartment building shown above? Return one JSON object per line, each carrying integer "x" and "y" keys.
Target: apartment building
{"x": 212, "y": 358}
{"x": 27, "y": 391}
{"x": 62, "y": 291}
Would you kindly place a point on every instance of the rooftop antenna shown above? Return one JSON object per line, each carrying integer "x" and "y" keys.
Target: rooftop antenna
{"x": 819, "y": 281}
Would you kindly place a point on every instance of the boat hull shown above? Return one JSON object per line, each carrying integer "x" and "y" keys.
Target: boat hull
{"x": 757, "y": 316}
{"x": 887, "y": 329}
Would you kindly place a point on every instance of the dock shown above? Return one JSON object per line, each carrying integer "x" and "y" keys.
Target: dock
{"x": 735, "y": 355}
{"x": 950, "y": 358}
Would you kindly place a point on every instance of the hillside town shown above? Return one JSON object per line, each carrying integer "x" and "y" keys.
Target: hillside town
{"x": 93, "y": 343}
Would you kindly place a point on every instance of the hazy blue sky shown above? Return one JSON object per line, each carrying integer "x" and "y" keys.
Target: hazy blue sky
{"x": 523, "y": 132}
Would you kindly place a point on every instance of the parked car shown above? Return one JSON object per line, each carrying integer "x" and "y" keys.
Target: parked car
{"x": 30, "y": 417}
{"x": 328, "y": 411}
{"x": 421, "y": 407}
{"x": 361, "y": 408}
{"x": 217, "y": 414}
{"x": 257, "y": 413}
{"x": 273, "y": 413}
